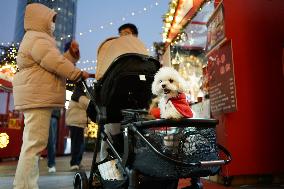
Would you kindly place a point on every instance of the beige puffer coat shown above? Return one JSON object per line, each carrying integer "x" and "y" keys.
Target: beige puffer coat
{"x": 76, "y": 114}
{"x": 101, "y": 68}
{"x": 43, "y": 70}
{"x": 112, "y": 48}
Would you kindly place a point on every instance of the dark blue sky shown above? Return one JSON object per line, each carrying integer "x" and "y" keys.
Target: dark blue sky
{"x": 94, "y": 14}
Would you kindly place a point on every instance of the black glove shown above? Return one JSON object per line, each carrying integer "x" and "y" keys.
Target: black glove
{"x": 78, "y": 92}
{"x": 67, "y": 46}
{"x": 91, "y": 111}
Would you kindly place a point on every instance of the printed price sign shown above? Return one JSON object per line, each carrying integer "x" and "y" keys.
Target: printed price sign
{"x": 222, "y": 90}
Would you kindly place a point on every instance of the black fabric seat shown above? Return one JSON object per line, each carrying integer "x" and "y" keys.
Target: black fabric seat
{"x": 126, "y": 84}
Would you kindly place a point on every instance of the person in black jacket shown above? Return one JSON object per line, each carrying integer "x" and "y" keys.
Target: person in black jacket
{"x": 78, "y": 114}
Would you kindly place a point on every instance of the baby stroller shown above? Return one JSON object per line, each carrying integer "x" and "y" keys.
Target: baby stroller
{"x": 148, "y": 151}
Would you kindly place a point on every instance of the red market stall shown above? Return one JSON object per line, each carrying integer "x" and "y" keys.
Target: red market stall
{"x": 11, "y": 123}
{"x": 244, "y": 51}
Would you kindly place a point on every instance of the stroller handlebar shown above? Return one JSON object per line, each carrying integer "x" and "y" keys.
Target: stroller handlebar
{"x": 221, "y": 161}
{"x": 100, "y": 116}
{"x": 184, "y": 122}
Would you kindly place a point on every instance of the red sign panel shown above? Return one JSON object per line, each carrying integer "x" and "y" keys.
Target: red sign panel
{"x": 222, "y": 91}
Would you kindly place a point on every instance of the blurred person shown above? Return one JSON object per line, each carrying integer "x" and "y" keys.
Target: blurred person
{"x": 52, "y": 137}
{"x": 52, "y": 140}
{"x": 39, "y": 87}
{"x": 76, "y": 120}
{"x": 113, "y": 47}
{"x": 128, "y": 29}
{"x": 108, "y": 51}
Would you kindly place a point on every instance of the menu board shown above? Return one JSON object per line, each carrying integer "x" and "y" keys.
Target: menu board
{"x": 216, "y": 28}
{"x": 222, "y": 91}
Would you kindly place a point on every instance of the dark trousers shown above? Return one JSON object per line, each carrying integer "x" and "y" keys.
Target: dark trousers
{"x": 77, "y": 144}
{"x": 51, "y": 146}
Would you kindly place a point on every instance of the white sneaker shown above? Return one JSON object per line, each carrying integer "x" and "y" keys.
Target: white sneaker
{"x": 74, "y": 168}
{"x": 52, "y": 169}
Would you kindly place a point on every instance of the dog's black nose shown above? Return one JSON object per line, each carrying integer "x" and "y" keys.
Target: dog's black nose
{"x": 163, "y": 86}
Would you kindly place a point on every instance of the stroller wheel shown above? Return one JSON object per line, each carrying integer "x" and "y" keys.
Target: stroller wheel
{"x": 228, "y": 181}
{"x": 80, "y": 180}
{"x": 97, "y": 181}
{"x": 195, "y": 184}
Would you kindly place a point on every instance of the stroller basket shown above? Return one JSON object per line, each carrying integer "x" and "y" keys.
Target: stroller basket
{"x": 156, "y": 149}
{"x": 172, "y": 151}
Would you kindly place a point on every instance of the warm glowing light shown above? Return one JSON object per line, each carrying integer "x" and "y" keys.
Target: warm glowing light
{"x": 92, "y": 130}
{"x": 4, "y": 140}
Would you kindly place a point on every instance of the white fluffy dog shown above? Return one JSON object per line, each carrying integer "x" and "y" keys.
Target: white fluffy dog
{"x": 170, "y": 87}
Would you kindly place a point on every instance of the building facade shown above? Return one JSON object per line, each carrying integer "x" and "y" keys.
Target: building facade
{"x": 65, "y": 20}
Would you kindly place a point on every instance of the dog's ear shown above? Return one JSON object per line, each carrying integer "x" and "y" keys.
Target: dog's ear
{"x": 155, "y": 84}
{"x": 154, "y": 87}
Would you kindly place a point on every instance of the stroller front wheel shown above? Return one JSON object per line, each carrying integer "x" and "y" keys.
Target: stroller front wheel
{"x": 80, "y": 180}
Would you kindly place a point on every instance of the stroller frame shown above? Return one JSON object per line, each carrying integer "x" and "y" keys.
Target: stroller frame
{"x": 134, "y": 127}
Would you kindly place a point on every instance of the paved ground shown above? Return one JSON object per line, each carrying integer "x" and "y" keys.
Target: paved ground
{"x": 63, "y": 178}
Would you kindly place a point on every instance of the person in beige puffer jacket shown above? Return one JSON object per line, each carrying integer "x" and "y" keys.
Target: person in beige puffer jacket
{"x": 39, "y": 86}
{"x": 113, "y": 47}
{"x": 76, "y": 120}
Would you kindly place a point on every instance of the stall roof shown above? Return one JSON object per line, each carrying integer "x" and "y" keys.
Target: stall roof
{"x": 5, "y": 85}
{"x": 197, "y": 17}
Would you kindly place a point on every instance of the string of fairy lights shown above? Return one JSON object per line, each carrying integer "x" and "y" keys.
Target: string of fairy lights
{"x": 93, "y": 29}
{"x": 90, "y": 65}
{"x": 170, "y": 19}
{"x": 145, "y": 9}
{"x": 83, "y": 63}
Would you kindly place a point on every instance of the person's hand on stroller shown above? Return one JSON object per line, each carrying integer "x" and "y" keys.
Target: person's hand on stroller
{"x": 91, "y": 111}
{"x": 92, "y": 75}
{"x": 85, "y": 75}
{"x": 78, "y": 92}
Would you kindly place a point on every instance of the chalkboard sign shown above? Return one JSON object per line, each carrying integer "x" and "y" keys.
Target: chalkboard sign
{"x": 222, "y": 90}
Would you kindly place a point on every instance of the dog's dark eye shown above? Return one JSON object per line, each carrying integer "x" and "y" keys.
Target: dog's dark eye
{"x": 170, "y": 80}
{"x": 160, "y": 81}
